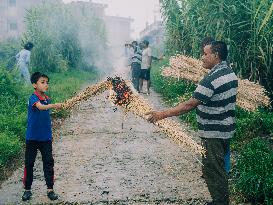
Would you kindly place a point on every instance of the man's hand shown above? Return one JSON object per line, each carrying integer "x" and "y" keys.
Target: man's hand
{"x": 57, "y": 105}
{"x": 155, "y": 116}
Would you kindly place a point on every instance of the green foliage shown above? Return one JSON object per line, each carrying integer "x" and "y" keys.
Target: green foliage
{"x": 63, "y": 40}
{"x": 10, "y": 147}
{"x": 8, "y": 51}
{"x": 250, "y": 125}
{"x": 12, "y": 103}
{"x": 253, "y": 174}
{"x": 173, "y": 91}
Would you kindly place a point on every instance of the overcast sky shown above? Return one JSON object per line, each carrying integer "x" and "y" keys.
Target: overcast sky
{"x": 141, "y": 11}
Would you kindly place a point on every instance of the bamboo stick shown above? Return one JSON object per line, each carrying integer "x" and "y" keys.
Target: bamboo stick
{"x": 88, "y": 92}
{"x": 138, "y": 106}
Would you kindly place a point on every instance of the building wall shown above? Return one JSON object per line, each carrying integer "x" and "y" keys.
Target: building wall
{"x": 82, "y": 8}
{"x": 153, "y": 33}
{"x": 119, "y": 29}
{"x": 12, "y": 14}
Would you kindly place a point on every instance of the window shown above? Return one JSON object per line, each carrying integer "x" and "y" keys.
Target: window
{"x": 13, "y": 26}
{"x": 12, "y": 2}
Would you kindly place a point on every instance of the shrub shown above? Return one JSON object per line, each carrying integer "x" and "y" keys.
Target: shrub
{"x": 8, "y": 51}
{"x": 251, "y": 124}
{"x": 63, "y": 40}
{"x": 253, "y": 175}
{"x": 10, "y": 147}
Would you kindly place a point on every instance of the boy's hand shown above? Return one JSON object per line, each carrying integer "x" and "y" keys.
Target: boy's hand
{"x": 155, "y": 116}
{"x": 57, "y": 105}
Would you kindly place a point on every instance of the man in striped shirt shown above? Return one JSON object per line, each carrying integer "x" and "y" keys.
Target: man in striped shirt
{"x": 214, "y": 99}
{"x": 136, "y": 65}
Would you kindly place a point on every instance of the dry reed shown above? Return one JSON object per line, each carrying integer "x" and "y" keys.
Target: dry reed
{"x": 250, "y": 95}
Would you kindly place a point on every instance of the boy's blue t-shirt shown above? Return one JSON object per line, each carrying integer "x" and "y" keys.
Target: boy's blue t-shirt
{"x": 38, "y": 122}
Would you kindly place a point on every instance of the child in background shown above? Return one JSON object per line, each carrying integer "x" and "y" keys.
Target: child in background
{"x": 39, "y": 136}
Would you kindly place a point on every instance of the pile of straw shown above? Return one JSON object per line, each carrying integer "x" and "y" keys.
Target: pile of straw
{"x": 88, "y": 92}
{"x": 138, "y": 106}
{"x": 250, "y": 95}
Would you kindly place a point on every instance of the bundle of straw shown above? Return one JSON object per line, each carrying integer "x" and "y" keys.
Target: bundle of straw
{"x": 138, "y": 106}
{"x": 88, "y": 92}
{"x": 250, "y": 95}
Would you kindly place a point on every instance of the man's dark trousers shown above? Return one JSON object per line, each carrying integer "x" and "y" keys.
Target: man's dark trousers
{"x": 136, "y": 67}
{"x": 214, "y": 170}
{"x": 48, "y": 162}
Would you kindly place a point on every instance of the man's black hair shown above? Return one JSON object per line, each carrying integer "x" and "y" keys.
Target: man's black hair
{"x": 36, "y": 76}
{"x": 206, "y": 41}
{"x": 28, "y": 46}
{"x": 146, "y": 42}
{"x": 220, "y": 48}
{"x": 134, "y": 42}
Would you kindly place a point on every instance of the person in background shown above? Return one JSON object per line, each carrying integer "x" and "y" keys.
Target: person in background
{"x": 146, "y": 66}
{"x": 129, "y": 51}
{"x": 136, "y": 64}
{"x": 23, "y": 61}
{"x": 39, "y": 136}
{"x": 214, "y": 99}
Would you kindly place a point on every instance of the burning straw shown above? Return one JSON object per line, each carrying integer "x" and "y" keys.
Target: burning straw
{"x": 88, "y": 92}
{"x": 130, "y": 101}
{"x": 250, "y": 95}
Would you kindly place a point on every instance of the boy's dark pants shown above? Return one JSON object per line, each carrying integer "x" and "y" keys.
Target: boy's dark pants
{"x": 214, "y": 169}
{"x": 136, "y": 68}
{"x": 48, "y": 162}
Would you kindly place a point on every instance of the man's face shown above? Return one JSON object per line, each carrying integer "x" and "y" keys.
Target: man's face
{"x": 134, "y": 45}
{"x": 41, "y": 85}
{"x": 144, "y": 45}
{"x": 209, "y": 59}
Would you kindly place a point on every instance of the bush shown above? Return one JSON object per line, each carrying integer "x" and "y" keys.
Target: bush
{"x": 10, "y": 147}
{"x": 63, "y": 40}
{"x": 253, "y": 175}
{"x": 13, "y": 102}
{"x": 8, "y": 51}
{"x": 251, "y": 124}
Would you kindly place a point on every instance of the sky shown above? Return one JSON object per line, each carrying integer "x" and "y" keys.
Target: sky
{"x": 142, "y": 11}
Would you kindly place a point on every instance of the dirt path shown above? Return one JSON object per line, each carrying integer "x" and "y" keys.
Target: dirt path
{"x": 98, "y": 162}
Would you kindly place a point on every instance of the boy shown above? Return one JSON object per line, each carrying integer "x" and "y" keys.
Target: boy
{"x": 39, "y": 136}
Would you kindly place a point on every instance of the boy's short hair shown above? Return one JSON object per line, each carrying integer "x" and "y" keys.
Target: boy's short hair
{"x": 28, "y": 46}
{"x": 36, "y": 76}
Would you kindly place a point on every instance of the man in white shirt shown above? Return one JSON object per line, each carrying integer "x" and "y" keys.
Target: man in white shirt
{"x": 23, "y": 60}
{"x": 146, "y": 66}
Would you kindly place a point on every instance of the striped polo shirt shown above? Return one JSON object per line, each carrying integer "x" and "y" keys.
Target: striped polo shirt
{"x": 217, "y": 94}
{"x": 137, "y": 56}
